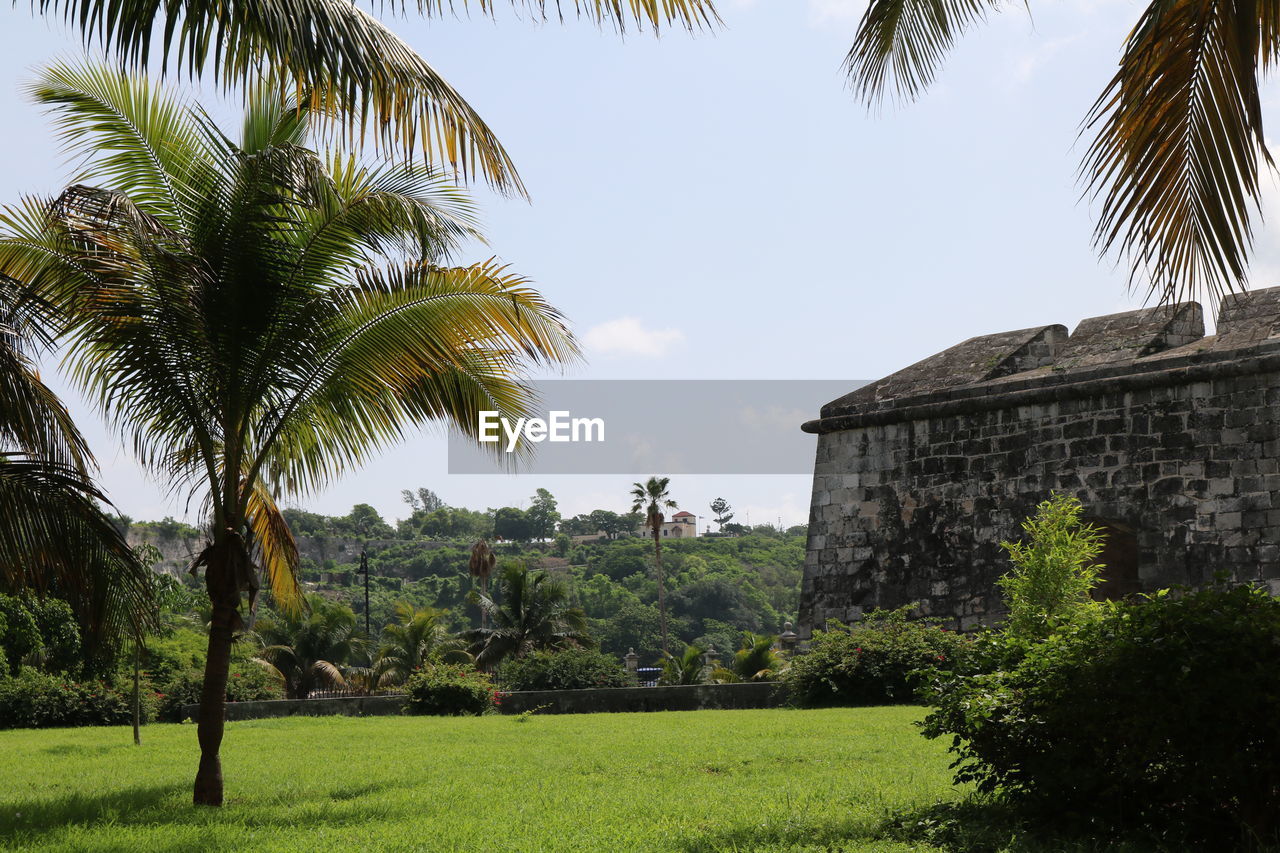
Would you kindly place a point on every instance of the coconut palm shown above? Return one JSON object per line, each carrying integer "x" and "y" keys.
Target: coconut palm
{"x": 1179, "y": 127}
{"x": 480, "y": 565}
{"x": 256, "y": 318}
{"x": 533, "y": 613}
{"x": 689, "y": 668}
{"x": 651, "y": 498}
{"x": 756, "y": 660}
{"x": 415, "y": 638}
{"x": 54, "y": 535}
{"x": 344, "y": 58}
{"x": 309, "y": 648}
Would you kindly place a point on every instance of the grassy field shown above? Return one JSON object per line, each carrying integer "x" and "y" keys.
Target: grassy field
{"x": 701, "y": 781}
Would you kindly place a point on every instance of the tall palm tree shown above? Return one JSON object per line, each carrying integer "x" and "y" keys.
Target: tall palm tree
{"x": 651, "y": 498}
{"x": 480, "y": 565}
{"x": 310, "y": 648}
{"x": 1178, "y": 127}
{"x": 532, "y": 613}
{"x": 256, "y": 318}
{"x": 54, "y": 536}
{"x": 415, "y": 638}
{"x": 345, "y": 59}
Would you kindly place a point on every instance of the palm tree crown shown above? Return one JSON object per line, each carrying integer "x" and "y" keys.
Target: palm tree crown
{"x": 1179, "y": 127}
{"x": 415, "y": 638}
{"x": 255, "y": 317}
{"x": 310, "y": 650}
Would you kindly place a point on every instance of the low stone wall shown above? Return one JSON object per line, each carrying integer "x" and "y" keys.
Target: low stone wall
{"x": 619, "y": 699}
{"x": 346, "y": 706}
{"x": 599, "y": 700}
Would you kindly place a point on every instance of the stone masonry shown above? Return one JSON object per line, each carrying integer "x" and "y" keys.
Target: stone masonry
{"x": 1170, "y": 439}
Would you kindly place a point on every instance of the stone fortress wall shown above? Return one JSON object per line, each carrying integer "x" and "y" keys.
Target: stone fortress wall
{"x": 1170, "y": 439}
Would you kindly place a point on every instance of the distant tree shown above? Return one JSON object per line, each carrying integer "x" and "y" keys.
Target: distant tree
{"x": 651, "y": 498}
{"x": 310, "y": 648}
{"x": 304, "y": 523}
{"x": 735, "y": 529}
{"x": 417, "y": 637}
{"x": 542, "y": 515}
{"x": 756, "y": 660}
{"x": 579, "y": 525}
{"x": 512, "y": 524}
{"x": 451, "y": 523}
{"x": 798, "y": 530}
{"x": 606, "y": 522}
{"x": 422, "y": 500}
{"x": 563, "y": 543}
{"x": 532, "y": 612}
{"x": 720, "y": 507}
{"x": 363, "y": 522}
{"x": 689, "y": 668}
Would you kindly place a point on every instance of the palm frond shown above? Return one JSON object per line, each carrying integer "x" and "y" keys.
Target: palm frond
{"x": 277, "y": 550}
{"x": 1176, "y": 155}
{"x": 900, "y": 44}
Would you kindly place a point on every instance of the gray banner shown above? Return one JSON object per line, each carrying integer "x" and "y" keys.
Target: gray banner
{"x": 662, "y": 426}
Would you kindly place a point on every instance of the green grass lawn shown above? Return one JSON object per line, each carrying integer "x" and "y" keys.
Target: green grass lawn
{"x": 765, "y": 780}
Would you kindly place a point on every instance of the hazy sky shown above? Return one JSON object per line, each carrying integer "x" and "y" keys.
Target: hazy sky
{"x": 720, "y": 206}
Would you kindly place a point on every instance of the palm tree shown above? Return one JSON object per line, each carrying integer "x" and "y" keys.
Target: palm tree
{"x": 415, "y": 638}
{"x": 651, "y": 498}
{"x": 256, "y": 318}
{"x": 689, "y": 668}
{"x": 1179, "y": 127}
{"x": 481, "y": 566}
{"x": 756, "y": 660}
{"x": 309, "y": 648}
{"x": 533, "y": 614}
{"x": 347, "y": 62}
{"x": 54, "y": 536}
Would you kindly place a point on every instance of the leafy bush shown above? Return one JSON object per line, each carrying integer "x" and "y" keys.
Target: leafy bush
{"x": 450, "y": 690}
{"x": 880, "y": 661}
{"x": 19, "y": 634}
{"x": 756, "y": 660}
{"x": 246, "y": 682}
{"x": 35, "y": 699}
{"x": 571, "y": 669}
{"x": 1164, "y": 712}
{"x": 1054, "y": 571}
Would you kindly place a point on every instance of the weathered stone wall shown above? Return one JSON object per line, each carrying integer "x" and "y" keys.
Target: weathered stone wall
{"x": 1170, "y": 438}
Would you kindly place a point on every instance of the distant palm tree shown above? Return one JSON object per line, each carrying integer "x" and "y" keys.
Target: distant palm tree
{"x": 756, "y": 660}
{"x": 651, "y": 498}
{"x": 415, "y": 638}
{"x": 341, "y": 57}
{"x": 533, "y": 613}
{"x": 54, "y": 535}
{"x": 1179, "y": 127}
{"x": 689, "y": 668}
{"x": 309, "y": 649}
{"x": 257, "y": 319}
{"x": 481, "y": 566}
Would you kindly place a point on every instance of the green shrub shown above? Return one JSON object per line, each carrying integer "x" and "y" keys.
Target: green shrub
{"x": 880, "y": 661}
{"x": 450, "y": 690}
{"x": 19, "y": 634}
{"x": 246, "y": 682}
{"x": 35, "y": 699}
{"x": 1163, "y": 712}
{"x": 570, "y": 669}
{"x": 1054, "y": 570}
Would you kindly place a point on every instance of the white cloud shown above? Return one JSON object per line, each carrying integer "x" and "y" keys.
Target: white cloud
{"x": 629, "y": 336}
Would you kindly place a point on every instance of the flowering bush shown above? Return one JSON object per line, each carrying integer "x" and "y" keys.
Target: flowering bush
{"x": 569, "y": 669}
{"x": 35, "y": 699}
{"x": 880, "y": 661}
{"x": 450, "y": 690}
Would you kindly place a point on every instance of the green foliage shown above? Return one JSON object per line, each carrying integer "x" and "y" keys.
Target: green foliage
{"x": 246, "y": 682}
{"x": 19, "y": 634}
{"x": 512, "y": 524}
{"x": 1162, "y": 711}
{"x": 882, "y": 660}
{"x": 569, "y": 669}
{"x": 450, "y": 690}
{"x": 1053, "y": 571}
{"x": 415, "y": 638}
{"x": 530, "y": 611}
{"x": 542, "y": 515}
{"x": 35, "y": 699}
{"x": 59, "y": 635}
{"x": 689, "y": 668}
{"x": 312, "y": 648}
{"x": 756, "y": 660}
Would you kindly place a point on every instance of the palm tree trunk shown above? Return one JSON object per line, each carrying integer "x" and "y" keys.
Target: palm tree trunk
{"x": 137, "y": 694}
{"x": 213, "y": 696}
{"x": 662, "y": 593}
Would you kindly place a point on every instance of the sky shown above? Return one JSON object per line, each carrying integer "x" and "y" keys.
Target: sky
{"x": 720, "y": 206}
